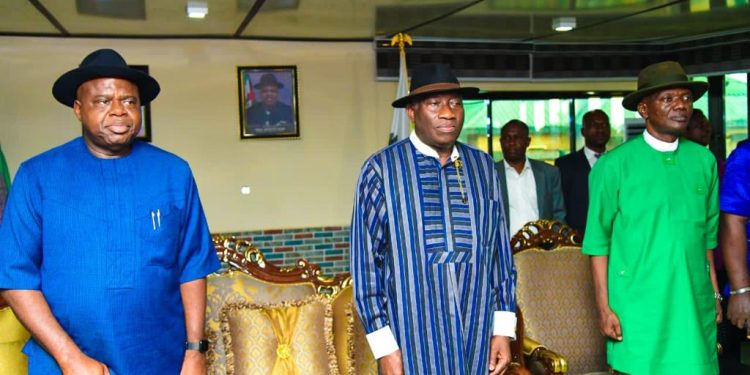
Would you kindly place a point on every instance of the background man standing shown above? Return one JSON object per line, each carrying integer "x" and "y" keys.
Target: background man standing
{"x": 575, "y": 168}
{"x": 434, "y": 281}
{"x": 531, "y": 188}
{"x": 699, "y": 128}
{"x": 104, "y": 243}
{"x": 652, "y": 223}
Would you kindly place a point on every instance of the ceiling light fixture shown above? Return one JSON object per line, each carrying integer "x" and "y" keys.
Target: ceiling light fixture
{"x": 563, "y": 23}
{"x": 197, "y": 8}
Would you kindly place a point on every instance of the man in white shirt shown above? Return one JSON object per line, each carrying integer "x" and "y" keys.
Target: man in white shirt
{"x": 576, "y": 166}
{"x": 532, "y": 188}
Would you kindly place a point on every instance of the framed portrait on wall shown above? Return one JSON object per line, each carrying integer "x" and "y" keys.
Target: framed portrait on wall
{"x": 268, "y": 101}
{"x": 145, "y": 132}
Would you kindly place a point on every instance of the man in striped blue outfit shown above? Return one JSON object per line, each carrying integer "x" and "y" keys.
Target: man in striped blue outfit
{"x": 434, "y": 281}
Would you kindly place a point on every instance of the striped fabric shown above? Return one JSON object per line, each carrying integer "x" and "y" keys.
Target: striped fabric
{"x": 430, "y": 256}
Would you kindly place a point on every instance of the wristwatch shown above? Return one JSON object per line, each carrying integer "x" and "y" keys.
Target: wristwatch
{"x": 201, "y": 346}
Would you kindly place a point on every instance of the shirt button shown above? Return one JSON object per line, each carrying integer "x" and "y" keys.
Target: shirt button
{"x": 622, "y": 272}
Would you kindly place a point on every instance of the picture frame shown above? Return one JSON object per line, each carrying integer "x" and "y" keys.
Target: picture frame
{"x": 145, "y": 133}
{"x": 268, "y": 102}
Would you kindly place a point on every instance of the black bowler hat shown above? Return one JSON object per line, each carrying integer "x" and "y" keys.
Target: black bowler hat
{"x": 429, "y": 79}
{"x": 267, "y": 79}
{"x": 662, "y": 76}
{"x": 103, "y": 63}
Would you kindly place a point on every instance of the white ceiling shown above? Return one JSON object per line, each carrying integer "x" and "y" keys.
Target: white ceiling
{"x": 602, "y": 21}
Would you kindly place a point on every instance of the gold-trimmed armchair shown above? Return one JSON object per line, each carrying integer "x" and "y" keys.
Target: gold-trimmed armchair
{"x": 248, "y": 282}
{"x": 280, "y": 319}
{"x": 558, "y": 320}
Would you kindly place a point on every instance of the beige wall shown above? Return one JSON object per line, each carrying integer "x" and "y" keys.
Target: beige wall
{"x": 344, "y": 117}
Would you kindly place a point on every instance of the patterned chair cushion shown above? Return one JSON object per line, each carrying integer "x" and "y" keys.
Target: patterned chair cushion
{"x": 293, "y": 338}
{"x": 342, "y": 329}
{"x": 233, "y": 287}
{"x": 363, "y": 363}
{"x": 556, "y": 297}
{"x": 12, "y": 338}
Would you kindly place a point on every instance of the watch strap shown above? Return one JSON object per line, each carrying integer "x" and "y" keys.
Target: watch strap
{"x": 201, "y": 346}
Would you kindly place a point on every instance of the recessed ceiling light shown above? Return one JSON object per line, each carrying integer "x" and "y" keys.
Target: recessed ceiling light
{"x": 563, "y": 23}
{"x": 197, "y": 8}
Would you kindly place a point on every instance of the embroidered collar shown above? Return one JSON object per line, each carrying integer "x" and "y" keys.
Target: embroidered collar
{"x": 429, "y": 151}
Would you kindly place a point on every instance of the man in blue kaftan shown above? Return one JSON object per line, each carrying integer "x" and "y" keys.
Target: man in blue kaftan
{"x": 104, "y": 243}
{"x": 434, "y": 281}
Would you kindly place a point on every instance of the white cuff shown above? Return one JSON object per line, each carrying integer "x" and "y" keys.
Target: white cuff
{"x": 382, "y": 342}
{"x": 504, "y": 324}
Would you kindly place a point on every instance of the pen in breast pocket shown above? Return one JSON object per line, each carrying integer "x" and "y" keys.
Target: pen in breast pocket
{"x": 153, "y": 222}
{"x": 158, "y": 217}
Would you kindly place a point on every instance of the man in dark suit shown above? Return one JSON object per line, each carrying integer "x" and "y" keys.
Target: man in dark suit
{"x": 575, "y": 168}
{"x": 531, "y": 188}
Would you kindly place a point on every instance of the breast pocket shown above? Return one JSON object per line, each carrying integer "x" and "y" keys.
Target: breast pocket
{"x": 449, "y": 257}
{"x": 694, "y": 206}
{"x": 159, "y": 227}
{"x": 471, "y": 232}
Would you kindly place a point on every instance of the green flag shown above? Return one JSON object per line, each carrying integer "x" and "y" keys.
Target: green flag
{"x": 4, "y": 169}
{"x": 4, "y": 183}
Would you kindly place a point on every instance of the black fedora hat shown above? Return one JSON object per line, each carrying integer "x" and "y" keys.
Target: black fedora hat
{"x": 431, "y": 79}
{"x": 103, "y": 63}
{"x": 268, "y": 79}
{"x": 662, "y": 76}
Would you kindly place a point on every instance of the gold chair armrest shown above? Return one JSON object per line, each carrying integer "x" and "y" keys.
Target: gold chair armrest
{"x": 553, "y": 362}
{"x": 529, "y": 346}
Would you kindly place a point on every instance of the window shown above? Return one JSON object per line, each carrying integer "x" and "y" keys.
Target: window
{"x": 548, "y": 121}
{"x": 735, "y": 109}
{"x": 474, "y": 131}
{"x": 618, "y": 117}
{"x": 550, "y": 116}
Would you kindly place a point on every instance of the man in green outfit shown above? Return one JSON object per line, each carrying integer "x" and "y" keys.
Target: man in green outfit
{"x": 652, "y": 220}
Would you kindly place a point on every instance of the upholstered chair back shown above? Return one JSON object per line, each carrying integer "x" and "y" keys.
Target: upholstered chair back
{"x": 264, "y": 319}
{"x": 555, "y": 295}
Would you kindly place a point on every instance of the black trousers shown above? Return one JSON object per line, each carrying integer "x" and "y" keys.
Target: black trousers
{"x": 732, "y": 340}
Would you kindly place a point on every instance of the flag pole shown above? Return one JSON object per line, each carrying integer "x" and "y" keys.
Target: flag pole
{"x": 401, "y": 39}
{"x": 400, "y": 127}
